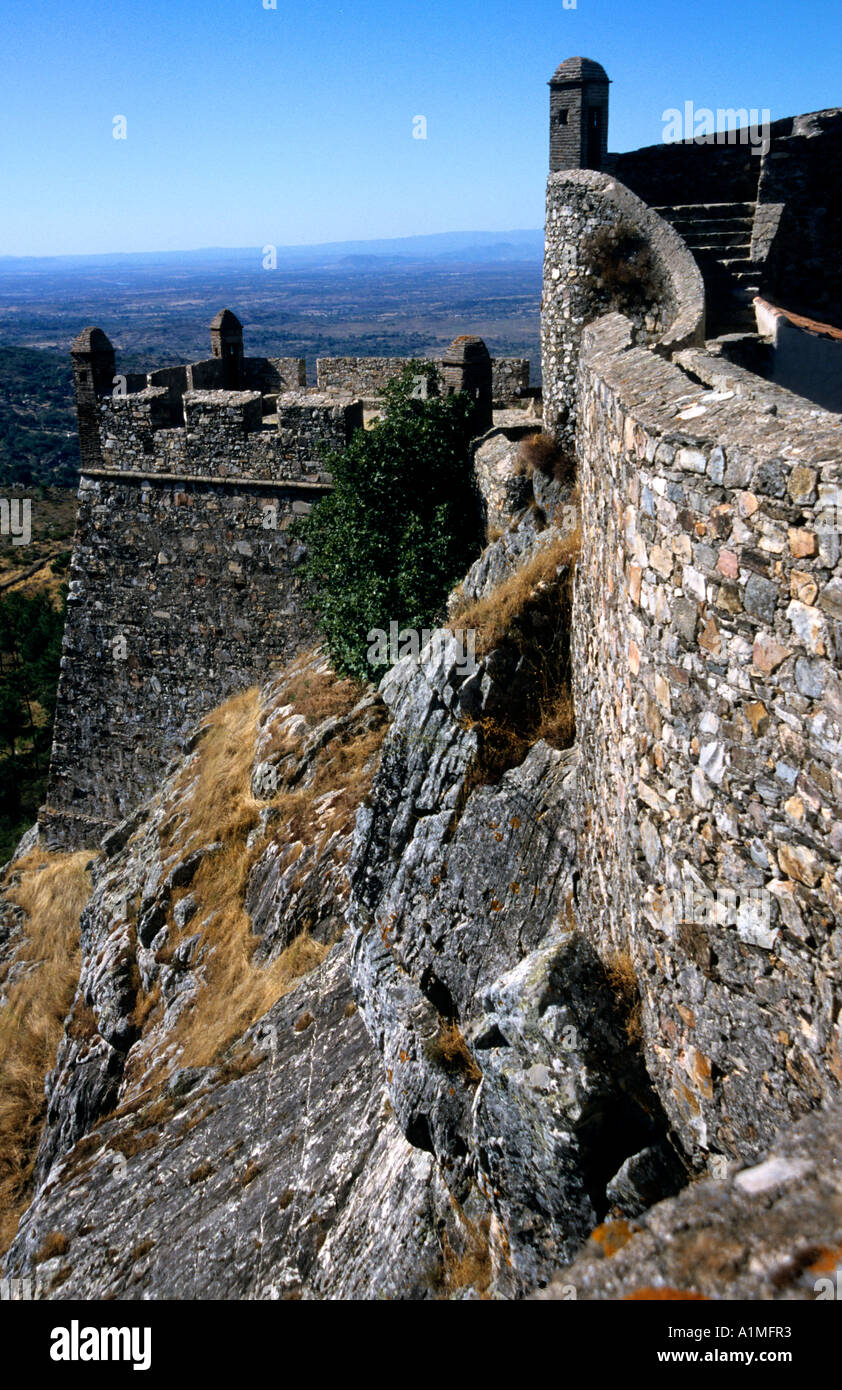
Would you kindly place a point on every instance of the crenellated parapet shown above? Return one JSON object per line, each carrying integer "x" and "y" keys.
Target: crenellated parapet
{"x": 186, "y": 572}
{"x": 225, "y": 434}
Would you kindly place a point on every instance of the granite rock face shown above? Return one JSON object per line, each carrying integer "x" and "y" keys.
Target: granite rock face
{"x": 289, "y": 1181}
{"x": 277, "y": 1170}
{"x": 503, "y": 1040}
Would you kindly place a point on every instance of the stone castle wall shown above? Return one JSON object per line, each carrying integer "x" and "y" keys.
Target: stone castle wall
{"x": 185, "y": 578}
{"x": 225, "y": 433}
{"x": 367, "y": 376}
{"x": 181, "y": 593}
{"x": 580, "y": 204}
{"x": 708, "y": 647}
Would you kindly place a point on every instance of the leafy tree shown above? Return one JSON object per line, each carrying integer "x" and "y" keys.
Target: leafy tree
{"x": 12, "y": 716}
{"x": 30, "y": 650}
{"x": 403, "y": 522}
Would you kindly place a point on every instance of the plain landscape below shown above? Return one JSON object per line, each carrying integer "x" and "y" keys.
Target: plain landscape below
{"x": 395, "y": 298}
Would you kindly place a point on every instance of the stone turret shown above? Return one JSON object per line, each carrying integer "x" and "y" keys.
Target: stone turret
{"x": 92, "y": 360}
{"x": 227, "y": 343}
{"x": 466, "y": 366}
{"x": 578, "y": 115}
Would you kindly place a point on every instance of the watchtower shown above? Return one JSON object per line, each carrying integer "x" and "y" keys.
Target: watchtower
{"x": 578, "y": 115}
{"x": 227, "y": 343}
{"x": 466, "y": 366}
{"x": 92, "y": 362}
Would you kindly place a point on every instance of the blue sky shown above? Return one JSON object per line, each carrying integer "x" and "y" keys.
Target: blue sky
{"x": 249, "y": 126}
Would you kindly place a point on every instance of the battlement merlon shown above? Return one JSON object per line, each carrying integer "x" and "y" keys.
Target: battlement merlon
{"x": 225, "y": 434}
{"x": 120, "y": 414}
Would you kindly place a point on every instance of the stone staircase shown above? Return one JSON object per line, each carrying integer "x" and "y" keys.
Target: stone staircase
{"x": 719, "y": 237}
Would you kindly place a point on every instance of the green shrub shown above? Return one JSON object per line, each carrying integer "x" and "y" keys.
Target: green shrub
{"x": 30, "y": 650}
{"x": 403, "y": 523}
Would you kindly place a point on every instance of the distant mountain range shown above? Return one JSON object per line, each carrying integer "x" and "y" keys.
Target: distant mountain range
{"x": 463, "y": 247}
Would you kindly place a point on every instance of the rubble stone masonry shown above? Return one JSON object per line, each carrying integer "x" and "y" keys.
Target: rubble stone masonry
{"x": 708, "y": 645}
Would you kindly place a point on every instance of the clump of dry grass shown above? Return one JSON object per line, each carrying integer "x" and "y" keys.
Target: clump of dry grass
{"x": 472, "y": 1269}
{"x": 222, "y": 797}
{"x": 529, "y": 612}
{"x": 204, "y": 1170}
{"x": 620, "y": 971}
{"x": 558, "y": 720}
{"x": 319, "y": 695}
{"x": 51, "y": 889}
{"x": 543, "y": 452}
{"x": 448, "y": 1049}
{"x": 54, "y": 1243}
{"x": 495, "y": 616}
{"x": 249, "y": 1173}
{"x": 624, "y": 266}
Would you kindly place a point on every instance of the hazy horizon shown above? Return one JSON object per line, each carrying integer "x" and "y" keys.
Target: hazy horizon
{"x": 493, "y": 237}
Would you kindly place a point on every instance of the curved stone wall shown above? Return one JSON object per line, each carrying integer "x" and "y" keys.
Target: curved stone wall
{"x": 708, "y": 645}
{"x": 580, "y": 202}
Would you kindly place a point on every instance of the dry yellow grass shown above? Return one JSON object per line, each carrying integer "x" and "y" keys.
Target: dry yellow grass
{"x": 543, "y": 452}
{"x": 493, "y": 616}
{"x": 222, "y": 797}
{"x": 499, "y": 618}
{"x": 619, "y": 968}
{"x": 319, "y": 695}
{"x": 473, "y": 1268}
{"x": 450, "y": 1051}
{"x": 235, "y": 992}
{"x": 51, "y": 889}
{"x": 558, "y": 720}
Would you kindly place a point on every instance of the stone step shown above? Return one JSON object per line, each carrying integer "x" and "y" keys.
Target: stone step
{"x": 693, "y": 211}
{"x": 722, "y": 248}
{"x": 730, "y": 226}
{"x": 706, "y": 236}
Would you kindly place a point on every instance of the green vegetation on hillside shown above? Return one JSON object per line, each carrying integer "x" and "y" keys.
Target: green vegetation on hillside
{"x": 38, "y": 438}
{"x": 402, "y": 524}
{"x": 30, "y": 648}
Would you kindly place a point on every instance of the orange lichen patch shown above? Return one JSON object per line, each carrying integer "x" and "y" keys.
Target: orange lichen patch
{"x": 687, "y": 1098}
{"x": 699, "y": 1068}
{"x": 611, "y": 1236}
{"x": 827, "y": 1261}
{"x": 666, "y": 1295}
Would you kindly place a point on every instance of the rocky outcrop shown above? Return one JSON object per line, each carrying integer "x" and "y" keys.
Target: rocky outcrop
{"x": 503, "y": 1037}
{"x": 289, "y": 1180}
{"x": 769, "y": 1231}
